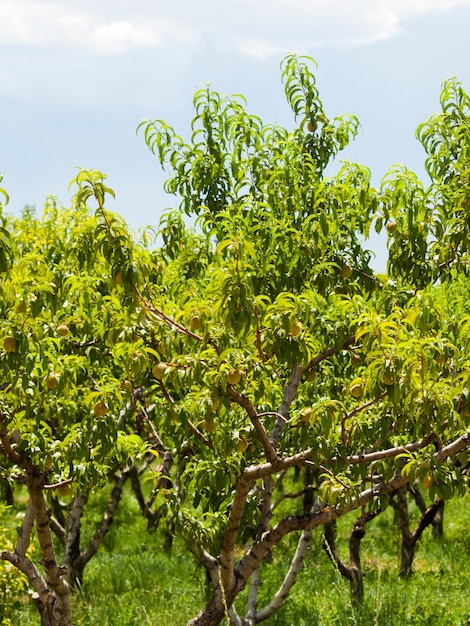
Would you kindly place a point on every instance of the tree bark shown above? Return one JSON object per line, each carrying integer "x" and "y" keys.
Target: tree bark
{"x": 353, "y": 571}
{"x": 409, "y": 538}
{"x": 75, "y": 559}
{"x": 283, "y": 592}
{"x": 72, "y": 542}
{"x": 438, "y": 519}
{"x": 55, "y": 599}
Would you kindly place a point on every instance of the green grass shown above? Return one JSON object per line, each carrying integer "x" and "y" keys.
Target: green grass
{"x": 132, "y": 582}
{"x": 436, "y": 594}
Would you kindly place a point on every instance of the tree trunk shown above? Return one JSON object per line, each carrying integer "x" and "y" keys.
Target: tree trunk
{"x": 75, "y": 559}
{"x": 55, "y": 599}
{"x": 41, "y": 607}
{"x": 215, "y": 610}
{"x": 72, "y": 543}
{"x": 410, "y": 539}
{"x": 353, "y": 571}
{"x": 438, "y": 519}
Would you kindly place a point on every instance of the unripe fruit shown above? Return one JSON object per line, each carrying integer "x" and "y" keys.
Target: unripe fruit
{"x": 427, "y": 481}
{"x": 195, "y": 322}
{"x": 234, "y": 377}
{"x": 295, "y": 328}
{"x": 387, "y": 379}
{"x": 21, "y": 307}
{"x": 51, "y": 381}
{"x": 346, "y": 271}
{"x": 311, "y": 376}
{"x": 126, "y": 385}
{"x": 209, "y": 425}
{"x": 307, "y": 414}
{"x": 9, "y": 344}
{"x": 100, "y": 408}
{"x": 118, "y": 278}
{"x": 357, "y": 390}
{"x": 312, "y": 126}
{"x": 391, "y": 226}
{"x": 159, "y": 369}
{"x": 242, "y": 444}
{"x": 62, "y": 330}
{"x": 355, "y": 360}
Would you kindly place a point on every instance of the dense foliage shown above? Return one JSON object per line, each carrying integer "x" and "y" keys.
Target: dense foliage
{"x": 256, "y": 350}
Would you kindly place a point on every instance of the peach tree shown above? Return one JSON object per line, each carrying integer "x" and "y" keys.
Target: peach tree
{"x": 69, "y": 353}
{"x": 281, "y": 357}
{"x": 279, "y": 380}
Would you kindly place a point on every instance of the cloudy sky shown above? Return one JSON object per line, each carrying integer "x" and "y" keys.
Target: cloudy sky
{"x": 77, "y": 77}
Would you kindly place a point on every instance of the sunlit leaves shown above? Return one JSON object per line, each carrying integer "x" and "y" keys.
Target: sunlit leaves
{"x": 74, "y": 340}
{"x": 91, "y": 184}
{"x": 428, "y": 229}
{"x": 194, "y": 344}
{"x": 5, "y": 250}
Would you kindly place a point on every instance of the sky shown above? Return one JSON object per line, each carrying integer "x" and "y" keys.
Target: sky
{"x": 76, "y": 78}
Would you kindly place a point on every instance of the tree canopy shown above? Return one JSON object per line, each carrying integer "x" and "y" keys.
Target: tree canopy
{"x": 255, "y": 347}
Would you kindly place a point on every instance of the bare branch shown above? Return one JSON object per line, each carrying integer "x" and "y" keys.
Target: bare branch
{"x": 327, "y": 353}
{"x": 260, "y": 549}
{"x": 32, "y": 573}
{"x": 290, "y": 393}
{"x": 58, "y": 530}
{"x": 72, "y": 542}
{"x": 453, "y": 448}
{"x": 284, "y": 590}
{"x": 6, "y": 447}
{"x": 166, "y": 318}
{"x": 292, "y": 495}
{"x": 26, "y": 529}
{"x": 245, "y": 403}
{"x": 107, "y": 518}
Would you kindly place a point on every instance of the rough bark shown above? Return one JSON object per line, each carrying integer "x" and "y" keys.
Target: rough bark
{"x": 438, "y": 519}
{"x": 353, "y": 571}
{"x": 72, "y": 541}
{"x": 266, "y": 515}
{"x": 56, "y": 598}
{"x": 284, "y": 590}
{"x": 215, "y": 610}
{"x": 409, "y": 538}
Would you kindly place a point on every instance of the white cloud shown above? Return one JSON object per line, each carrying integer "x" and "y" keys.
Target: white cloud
{"x": 117, "y": 37}
{"x": 59, "y": 49}
{"x": 258, "y": 28}
{"x": 40, "y": 24}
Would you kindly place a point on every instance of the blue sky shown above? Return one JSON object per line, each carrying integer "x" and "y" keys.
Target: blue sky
{"x": 77, "y": 77}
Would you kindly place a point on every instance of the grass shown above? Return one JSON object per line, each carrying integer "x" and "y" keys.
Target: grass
{"x": 132, "y": 582}
{"x": 435, "y": 594}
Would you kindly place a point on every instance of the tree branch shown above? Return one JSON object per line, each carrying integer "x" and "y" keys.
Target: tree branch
{"x": 106, "y": 520}
{"x": 284, "y": 590}
{"x": 245, "y": 403}
{"x": 32, "y": 573}
{"x": 26, "y": 529}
